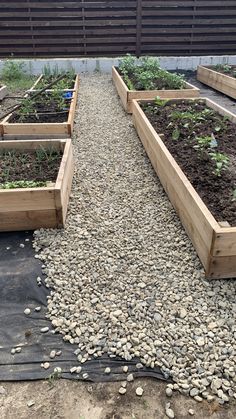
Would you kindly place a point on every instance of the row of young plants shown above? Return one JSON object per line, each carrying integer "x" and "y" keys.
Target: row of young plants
{"x": 146, "y": 74}
{"x": 227, "y": 69}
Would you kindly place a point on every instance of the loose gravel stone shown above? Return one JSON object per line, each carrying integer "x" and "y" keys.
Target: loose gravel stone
{"x": 125, "y": 368}
{"x": 125, "y": 280}
{"x": 37, "y": 309}
{"x": 122, "y": 390}
{"x": 139, "y": 391}
{"x": 52, "y": 354}
{"x": 18, "y": 349}
{"x": 130, "y": 377}
{"x": 46, "y": 365}
{"x": 191, "y": 412}
{"x": 30, "y": 403}
{"x": 169, "y": 392}
{"x": 169, "y": 412}
{"x": 27, "y": 311}
{"x": 44, "y": 329}
{"x": 107, "y": 370}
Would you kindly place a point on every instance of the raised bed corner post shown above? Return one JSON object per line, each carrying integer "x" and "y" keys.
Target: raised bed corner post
{"x": 138, "y": 28}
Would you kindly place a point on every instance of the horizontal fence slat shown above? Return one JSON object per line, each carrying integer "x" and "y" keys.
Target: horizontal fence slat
{"x": 109, "y": 27}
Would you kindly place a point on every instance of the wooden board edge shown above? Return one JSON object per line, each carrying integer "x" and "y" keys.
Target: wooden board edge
{"x": 121, "y": 87}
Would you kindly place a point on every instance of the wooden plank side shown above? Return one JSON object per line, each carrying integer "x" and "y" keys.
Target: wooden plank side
{"x": 32, "y": 145}
{"x": 224, "y": 242}
{"x": 27, "y": 129}
{"x": 222, "y": 267}
{"x": 194, "y": 215}
{"x": 3, "y": 92}
{"x": 66, "y": 184}
{"x": 26, "y": 199}
{"x": 120, "y": 87}
{"x": 28, "y": 220}
{"x": 217, "y": 81}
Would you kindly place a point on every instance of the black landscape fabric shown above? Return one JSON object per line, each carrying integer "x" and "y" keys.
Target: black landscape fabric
{"x": 19, "y": 289}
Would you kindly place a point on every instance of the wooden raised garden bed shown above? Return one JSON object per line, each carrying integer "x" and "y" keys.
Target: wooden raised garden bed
{"x": 11, "y": 130}
{"x": 127, "y": 95}
{"x": 217, "y": 80}
{"x": 75, "y": 86}
{"x": 215, "y": 242}
{"x": 3, "y": 92}
{"x": 36, "y": 207}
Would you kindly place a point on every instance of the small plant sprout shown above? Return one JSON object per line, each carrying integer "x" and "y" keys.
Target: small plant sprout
{"x": 205, "y": 143}
{"x": 160, "y": 102}
{"x": 221, "y": 162}
{"x": 176, "y": 134}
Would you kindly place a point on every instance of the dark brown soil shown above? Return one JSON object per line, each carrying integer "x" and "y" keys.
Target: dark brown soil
{"x": 43, "y": 111}
{"x": 29, "y": 165}
{"x": 231, "y": 73}
{"x": 215, "y": 191}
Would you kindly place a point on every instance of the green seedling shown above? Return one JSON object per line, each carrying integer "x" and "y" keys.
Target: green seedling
{"x": 205, "y": 143}
{"x": 175, "y": 134}
{"x": 221, "y": 162}
{"x": 22, "y": 184}
{"x": 160, "y": 102}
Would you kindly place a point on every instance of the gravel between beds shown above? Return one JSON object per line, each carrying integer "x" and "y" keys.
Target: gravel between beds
{"x": 125, "y": 277}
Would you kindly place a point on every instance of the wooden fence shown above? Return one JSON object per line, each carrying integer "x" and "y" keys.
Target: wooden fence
{"x": 115, "y": 27}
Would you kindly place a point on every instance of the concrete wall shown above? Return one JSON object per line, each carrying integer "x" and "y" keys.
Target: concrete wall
{"x": 35, "y": 66}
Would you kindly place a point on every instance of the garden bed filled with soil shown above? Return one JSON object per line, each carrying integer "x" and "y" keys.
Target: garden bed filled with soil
{"x": 219, "y": 77}
{"x": 200, "y": 136}
{"x": 70, "y": 82}
{"x": 180, "y": 137}
{"x": 146, "y": 80}
{"x": 49, "y": 116}
{"x": 35, "y": 183}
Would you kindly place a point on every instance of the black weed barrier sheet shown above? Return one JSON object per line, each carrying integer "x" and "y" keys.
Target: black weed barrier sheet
{"x": 19, "y": 290}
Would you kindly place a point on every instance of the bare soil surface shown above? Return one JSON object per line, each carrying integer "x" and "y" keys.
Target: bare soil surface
{"x": 35, "y": 166}
{"x": 215, "y": 190}
{"x": 79, "y": 400}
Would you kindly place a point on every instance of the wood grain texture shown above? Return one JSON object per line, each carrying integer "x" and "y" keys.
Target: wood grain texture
{"x": 215, "y": 245}
{"x": 217, "y": 81}
{"x": 3, "y": 92}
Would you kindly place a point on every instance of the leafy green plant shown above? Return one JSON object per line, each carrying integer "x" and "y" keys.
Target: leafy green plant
{"x": 27, "y": 108}
{"x": 175, "y": 134}
{"x": 13, "y": 70}
{"x": 205, "y": 143}
{"x": 221, "y": 162}
{"x": 146, "y": 74}
{"x": 225, "y": 68}
{"x": 22, "y": 184}
{"x": 160, "y": 102}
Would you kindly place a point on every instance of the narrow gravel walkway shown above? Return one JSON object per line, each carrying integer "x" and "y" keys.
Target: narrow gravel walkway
{"x": 126, "y": 278}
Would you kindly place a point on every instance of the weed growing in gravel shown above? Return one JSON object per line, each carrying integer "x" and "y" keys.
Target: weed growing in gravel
{"x": 14, "y": 75}
{"x": 146, "y": 74}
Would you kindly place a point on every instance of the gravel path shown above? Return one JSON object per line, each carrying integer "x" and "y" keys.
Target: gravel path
{"x": 126, "y": 279}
